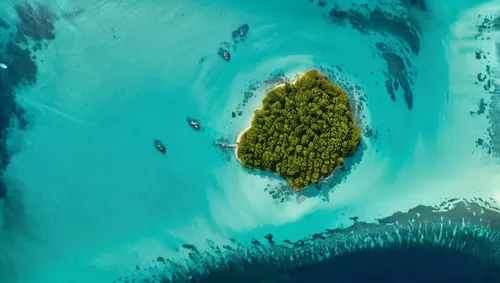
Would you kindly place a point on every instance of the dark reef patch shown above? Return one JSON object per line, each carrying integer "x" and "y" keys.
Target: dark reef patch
{"x": 397, "y": 74}
{"x": 322, "y": 4}
{"x": 22, "y": 68}
{"x": 481, "y": 108}
{"x": 458, "y": 241}
{"x": 481, "y": 54}
{"x": 281, "y": 192}
{"x": 490, "y": 23}
{"x": 494, "y": 120}
{"x": 401, "y": 26}
{"x": 240, "y": 34}
{"x": 485, "y": 78}
{"x": 366, "y": 20}
{"x": 488, "y": 78}
{"x": 36, "y": 24}
{"x": 489, "y": 81}
{"x": 273, "y": 79}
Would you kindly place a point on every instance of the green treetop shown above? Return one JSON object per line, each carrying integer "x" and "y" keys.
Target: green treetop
{"x": 303, "y": 131}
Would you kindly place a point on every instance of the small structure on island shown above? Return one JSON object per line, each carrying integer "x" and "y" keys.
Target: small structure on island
{"x": 303, "y": 131}
{"x": 225, "y": 144}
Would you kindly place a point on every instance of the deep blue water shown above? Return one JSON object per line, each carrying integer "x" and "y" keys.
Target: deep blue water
{"x": 412, "y": 265}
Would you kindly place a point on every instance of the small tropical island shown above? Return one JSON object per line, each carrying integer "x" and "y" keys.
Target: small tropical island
{"x": 303, "y": 131}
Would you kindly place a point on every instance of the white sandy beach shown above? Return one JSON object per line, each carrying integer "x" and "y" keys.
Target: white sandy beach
{"x": 239, "y": 138}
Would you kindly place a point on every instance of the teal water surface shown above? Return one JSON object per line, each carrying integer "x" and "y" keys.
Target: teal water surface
{"x": 89, "y": 197}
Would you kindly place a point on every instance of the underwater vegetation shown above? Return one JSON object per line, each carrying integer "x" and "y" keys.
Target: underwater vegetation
{"x": 457, "y": 242}
{"x": 396, "y": 25}
{"x": 33, "y": 31}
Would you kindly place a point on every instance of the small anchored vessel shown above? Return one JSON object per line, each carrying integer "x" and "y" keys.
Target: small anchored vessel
{"x": 193, "y": 123}
{"x": 225, "y": 54}
{"x": 3, "y": 66}
{"x": 160, "y": 146}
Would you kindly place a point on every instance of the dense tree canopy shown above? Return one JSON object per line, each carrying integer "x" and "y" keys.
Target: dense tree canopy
{"x": 303, "y": 131}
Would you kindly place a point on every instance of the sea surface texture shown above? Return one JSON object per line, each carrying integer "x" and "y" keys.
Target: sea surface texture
{"x": 87, "y": 86}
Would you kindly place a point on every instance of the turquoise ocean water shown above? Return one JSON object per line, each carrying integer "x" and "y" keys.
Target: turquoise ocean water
{"x": 89, "y": 197}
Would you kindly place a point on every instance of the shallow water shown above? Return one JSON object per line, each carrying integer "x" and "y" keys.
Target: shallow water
{"x": 89, "y": 198}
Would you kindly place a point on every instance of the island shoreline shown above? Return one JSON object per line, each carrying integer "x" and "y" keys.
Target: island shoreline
{"x": 240, "y": 135}
{"x": 238, "y": 140}
{"x": 251, "y": 121}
